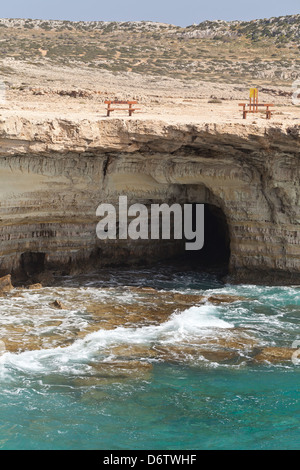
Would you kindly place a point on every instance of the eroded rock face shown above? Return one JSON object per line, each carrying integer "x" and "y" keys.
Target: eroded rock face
{"x": 54, "y": 174}
{"x": 5, "y": 284}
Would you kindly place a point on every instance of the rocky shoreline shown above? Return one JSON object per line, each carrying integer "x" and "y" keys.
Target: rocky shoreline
{"x": 154, "y": 308}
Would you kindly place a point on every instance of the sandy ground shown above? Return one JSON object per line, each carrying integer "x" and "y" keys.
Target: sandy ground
{"x": 39, "y": 93}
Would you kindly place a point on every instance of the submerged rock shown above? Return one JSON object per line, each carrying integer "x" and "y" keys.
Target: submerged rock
{"x": 234, "y": 344}
{"x": 132, "y": 351}
{"x": 187, "y": 300}
{"x": 236, "y": 338}
{"x": 221, "y": 298}
{"x": 35, "y": 286}
{"x": 194, "y": 354}
{"x": 275, "y": 355}
{"x": 104, "y": 372}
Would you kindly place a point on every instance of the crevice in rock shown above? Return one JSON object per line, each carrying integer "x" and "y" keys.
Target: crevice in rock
{"x": 106, "y": 164}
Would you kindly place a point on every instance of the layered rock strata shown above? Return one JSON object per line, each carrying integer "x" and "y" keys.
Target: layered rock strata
{"x": 55, "y": 173}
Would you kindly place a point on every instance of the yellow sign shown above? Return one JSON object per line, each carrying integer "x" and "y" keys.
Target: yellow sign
{"x": 253, "y": 93}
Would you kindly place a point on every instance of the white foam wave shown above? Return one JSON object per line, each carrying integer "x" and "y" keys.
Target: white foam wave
{"x": 181, "y": 326}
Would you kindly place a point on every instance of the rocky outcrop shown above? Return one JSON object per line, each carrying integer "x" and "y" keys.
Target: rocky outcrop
{"x": 5, "y": 284}
{"x": 275, "y": 355}
{"x": 55, "y": 173}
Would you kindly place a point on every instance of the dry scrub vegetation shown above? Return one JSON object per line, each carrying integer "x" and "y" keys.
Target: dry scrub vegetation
{"x": 264, "y": 51}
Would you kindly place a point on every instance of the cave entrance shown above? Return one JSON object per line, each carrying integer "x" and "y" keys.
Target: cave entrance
{"x": 215, "y": 254}
{"x": 32, "y": 262}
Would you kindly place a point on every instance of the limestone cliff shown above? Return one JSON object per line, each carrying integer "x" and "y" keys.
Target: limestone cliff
{"x": 55, "y": 173}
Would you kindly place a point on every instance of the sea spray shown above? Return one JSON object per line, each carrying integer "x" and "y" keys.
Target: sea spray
{"x": 181, "y": 326}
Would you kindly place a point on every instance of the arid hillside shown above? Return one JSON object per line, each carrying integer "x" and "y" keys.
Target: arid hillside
{"x": 260, "y": 51}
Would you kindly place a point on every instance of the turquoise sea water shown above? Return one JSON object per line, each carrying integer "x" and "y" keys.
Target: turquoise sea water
{"x": 184, "y": 403}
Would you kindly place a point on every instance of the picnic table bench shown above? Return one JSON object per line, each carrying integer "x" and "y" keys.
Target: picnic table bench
{"x": 253, "y": 105}
{"x": 254, "y": 109}
{"x": 116, "y": 107}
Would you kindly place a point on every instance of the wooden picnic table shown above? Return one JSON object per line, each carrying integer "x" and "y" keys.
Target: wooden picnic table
{"x": 253, "y": 108}
{"x": 116, "y": 103}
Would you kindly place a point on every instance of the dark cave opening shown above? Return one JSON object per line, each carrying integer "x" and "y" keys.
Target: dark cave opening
{"x": 214, "y": 257}
{"x": 32, "y": 262}
{"x": 215, "y": 254}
